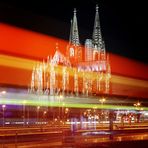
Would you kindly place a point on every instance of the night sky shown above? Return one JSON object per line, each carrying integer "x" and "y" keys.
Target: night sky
{"x": 123, "y": 22}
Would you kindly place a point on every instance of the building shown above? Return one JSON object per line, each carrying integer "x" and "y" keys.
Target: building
{"x": 71, "y": 73}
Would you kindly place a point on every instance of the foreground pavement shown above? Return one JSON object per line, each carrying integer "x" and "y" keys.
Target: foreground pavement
{"x": 80, "y": 140}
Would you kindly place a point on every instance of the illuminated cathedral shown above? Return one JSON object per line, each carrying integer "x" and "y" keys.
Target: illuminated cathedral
{"x": 83, "y": 70}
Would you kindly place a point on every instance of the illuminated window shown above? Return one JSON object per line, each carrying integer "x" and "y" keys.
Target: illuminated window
{"x": 72, "y": 53}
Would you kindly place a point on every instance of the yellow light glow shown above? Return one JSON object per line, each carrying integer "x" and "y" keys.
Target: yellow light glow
{"x": 27, "y": 64}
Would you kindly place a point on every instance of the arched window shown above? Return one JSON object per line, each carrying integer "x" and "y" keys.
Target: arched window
{"x": 72, "y": 52}
{"x": 95, "y": 55}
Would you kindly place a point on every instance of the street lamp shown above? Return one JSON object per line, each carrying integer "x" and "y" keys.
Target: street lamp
{"x": 137, "y": 105}
{"x": 44, "y": 114}
{"x": 102, "y": 100}
{"x": 3, "y": 92}
{"x": 67, "y": 112}
{"x": 38, "y": 107}
{"x": 28, "y": 110}
{"x": 60, "y": 98}
{"x": 3, "y": 108}
{"x": 24, "y": 103}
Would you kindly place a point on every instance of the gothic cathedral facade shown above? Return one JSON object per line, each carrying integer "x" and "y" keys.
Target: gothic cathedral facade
{"x": 83, "y": 70}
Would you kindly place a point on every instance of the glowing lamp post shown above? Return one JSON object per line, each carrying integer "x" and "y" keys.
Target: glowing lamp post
{"x": 44, "y": 114}
{"x": 3, "y": 92}
{"x": 24, "y": 103}
{"x": 3, "y": 108}
{"x": 60, "y": 99}
{"x": 67, "y": 112}
{"x": 102, "y": 100}
{"x": 38, "y": 108}
{"x": 137, "y": 105}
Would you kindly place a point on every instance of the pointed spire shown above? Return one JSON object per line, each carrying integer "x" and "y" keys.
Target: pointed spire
{"x": 97, "y": 7}
{"x": 97, "y": 37}
{"x": 74, "y": 34}
{"x": 70, "y": 38}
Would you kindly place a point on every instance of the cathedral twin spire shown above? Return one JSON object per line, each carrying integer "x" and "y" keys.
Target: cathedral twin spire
{"x": 96, "y": 37}
{"x": 95, "y": 58}
{"x": 74, "y": 33}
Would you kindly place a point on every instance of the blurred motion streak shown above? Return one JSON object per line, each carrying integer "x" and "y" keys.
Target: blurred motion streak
{"x": 20, "y": 49}
{"x": 23, "y": 43}
{"x": 10, "y": 61}
{"x": 26, "y": 64}
{"x": 69, "y": 105}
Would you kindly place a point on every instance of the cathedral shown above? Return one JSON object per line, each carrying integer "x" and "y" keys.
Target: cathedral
{"x": 82, "y": 70}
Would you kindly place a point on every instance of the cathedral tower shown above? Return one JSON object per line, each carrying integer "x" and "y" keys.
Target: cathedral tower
{"x": 74, "y": 49}
{"x": 98, "y": 43}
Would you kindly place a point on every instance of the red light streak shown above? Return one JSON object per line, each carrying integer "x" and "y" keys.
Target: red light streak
{"x": 30, "y": 45}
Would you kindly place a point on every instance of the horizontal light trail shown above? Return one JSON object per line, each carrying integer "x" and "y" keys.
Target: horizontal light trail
{"x": 69, "y": 105}
{"x": 26, "y": 43}
{"x": 22, "y": 63}
{"x": 21, "y": 42}
{"x": 129, "y": 81}
{"x": 60, "y": 101}
{"x": 16, "y": 62}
